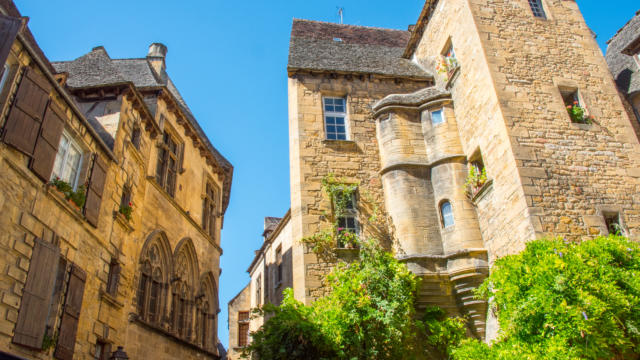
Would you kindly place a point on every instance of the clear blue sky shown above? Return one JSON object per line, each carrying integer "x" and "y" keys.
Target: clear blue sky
{"x": 228, "y": 59}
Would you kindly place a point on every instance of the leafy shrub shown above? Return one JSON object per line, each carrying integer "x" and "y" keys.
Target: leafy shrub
{"x": 561, "y": 300}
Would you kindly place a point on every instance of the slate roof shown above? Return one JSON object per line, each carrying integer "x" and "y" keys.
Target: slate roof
{"x": 624, "y": 69}
{"x": 321, "y": 46}
{"x": 98, "y": 69}
{"x": 413, "y": 99}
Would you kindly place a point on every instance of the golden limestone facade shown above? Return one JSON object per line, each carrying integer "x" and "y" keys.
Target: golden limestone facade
{"x": 476, "y": 86}
{"x": 112, "y": 205}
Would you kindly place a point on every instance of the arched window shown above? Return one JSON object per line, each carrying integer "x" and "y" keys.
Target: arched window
{"x": 446, "y": 212}
{"x": 155, "y": 265}
{"x": 206, "y": 312}
{"x": 183, "y": 285}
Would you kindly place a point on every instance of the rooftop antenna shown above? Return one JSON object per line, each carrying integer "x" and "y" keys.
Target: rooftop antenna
{"x": 340, "y": 13}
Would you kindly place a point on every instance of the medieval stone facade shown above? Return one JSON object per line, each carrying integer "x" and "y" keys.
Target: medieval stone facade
{"x": 112, "y": 205}
{"x": 458, "y": 132}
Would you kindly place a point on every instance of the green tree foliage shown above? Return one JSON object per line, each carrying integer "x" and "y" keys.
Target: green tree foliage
{"x": 369, "y": 314}
{"x": 560, "y": 300}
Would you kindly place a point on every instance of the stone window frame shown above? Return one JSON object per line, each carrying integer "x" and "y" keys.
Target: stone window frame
{"x": 539, "y": 10}
{"x": 443, "y": 222}
{"x": 207, "y": 201}
{"x": 350, "y": 213}
{"x": 279, "y": 278}
{"x": 578, "y": 96}
{"x": 344, "y": 114}
{"x": 606, "y": 212}
{"x": 243, "y": 322}
{"x": 162, "y": 176}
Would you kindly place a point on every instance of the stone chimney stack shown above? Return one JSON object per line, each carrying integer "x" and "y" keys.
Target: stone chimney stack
{"x": 157, "y": 54}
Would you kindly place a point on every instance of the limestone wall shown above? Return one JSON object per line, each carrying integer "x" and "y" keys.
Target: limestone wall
{"x": 30, "y": 209}
{"x": 240, "y": 303}
{"x": 313, "y": 157}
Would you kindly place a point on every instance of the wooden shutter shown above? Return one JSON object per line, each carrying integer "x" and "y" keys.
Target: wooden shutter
{"x": 44, "y": 154}
{"x": 23, "y": 124}
{"x": 94, "y": 192}
{"x": 71, "y": 314}
{"x": 37, "y": 294}
{"x": 9, "y": 27}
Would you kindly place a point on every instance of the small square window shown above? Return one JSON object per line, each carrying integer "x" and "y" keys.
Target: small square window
{"x": 437, "y": 117}
{"x": 575, "y": 107}
{"x": 614, "y": 225}
{"x": 335, "y": 115}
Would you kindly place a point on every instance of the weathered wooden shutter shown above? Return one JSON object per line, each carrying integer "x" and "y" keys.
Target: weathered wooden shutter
{"x": 36, "y": 296}
{"x": 71, "y": 314}
{"x": 23, "y": 124}
{"x": 94, "y": 192}
{"x": 9, "y": 27}
{"x": 44, "y": 154}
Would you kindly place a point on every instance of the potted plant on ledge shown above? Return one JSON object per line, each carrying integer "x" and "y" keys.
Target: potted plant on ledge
{"x": 126, "y": 211}
{"x": 578, "y": 114}
{"x": 476, "y": 179}
{"x": 75, "y": 198}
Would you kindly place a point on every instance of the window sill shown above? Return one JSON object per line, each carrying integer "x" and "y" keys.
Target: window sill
{"x": 483, "y": 191}
{"x": 452, "y": 76}
{"x": 122, "y": 220}
{"x": 110, "y": 299}
{"x": 133, "y": 317}
{"x": 348, "y": 145}
{"x": 71, "y": 209}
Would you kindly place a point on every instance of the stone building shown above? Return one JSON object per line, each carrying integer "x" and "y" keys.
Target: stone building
{"x": 486, "y": 125}
{"x": 623, "y": 57}
{"x": 113, "y": 200}
{"x": 239, "y": 310}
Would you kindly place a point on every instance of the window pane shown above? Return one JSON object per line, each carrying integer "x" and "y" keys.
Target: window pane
{"x": 341, "y": 129}
{"x": 447, "y": 214}
{"x": 437, "y": 117}
{"x": 341, "y": 136}
{"x": 331, "y": 136}
{"x": 339, "y": 120}
{"x": 331, "y": 128}
{"x": 537, "y": 9}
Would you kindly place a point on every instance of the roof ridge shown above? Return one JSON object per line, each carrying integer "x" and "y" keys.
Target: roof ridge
{"x": 622, "y": 27}
{"x": 349, "y": 25}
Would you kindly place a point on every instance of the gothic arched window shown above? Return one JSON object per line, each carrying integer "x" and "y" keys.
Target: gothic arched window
{"x": 183, "y": 280}
{"x": 155, "y": 266}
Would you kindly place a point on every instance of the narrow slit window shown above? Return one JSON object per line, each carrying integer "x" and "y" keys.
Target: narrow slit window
{"x": 335, "y": 118}
{"x": 446, "y": 212}
{"x": 537, "y": 9}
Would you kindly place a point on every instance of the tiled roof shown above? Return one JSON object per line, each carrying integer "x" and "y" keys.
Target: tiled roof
{"x": 624, "y": 69}
{"x": 98, "y": 69}
{"x": 320, "y": 46}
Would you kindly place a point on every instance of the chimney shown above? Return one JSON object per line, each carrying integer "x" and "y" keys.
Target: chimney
{"x": 156, "y": 56}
